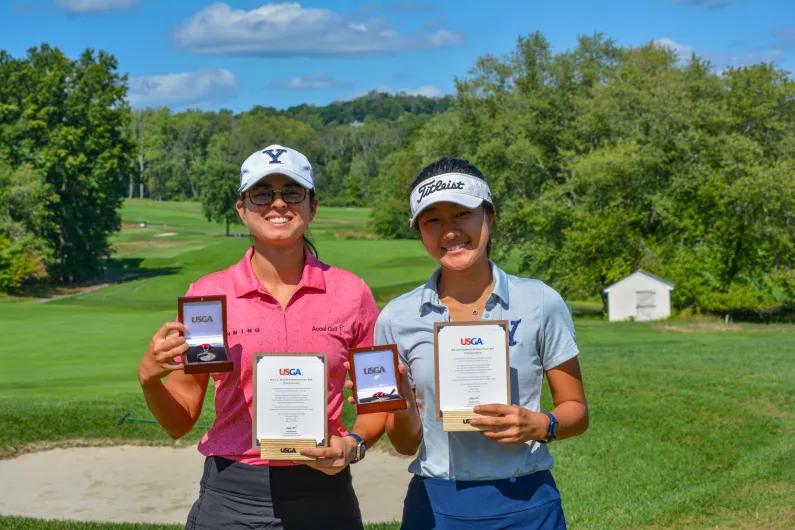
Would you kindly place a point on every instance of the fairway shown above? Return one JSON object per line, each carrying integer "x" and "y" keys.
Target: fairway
{"x": 691, "y": 426}
{"x": 79, "y": 371}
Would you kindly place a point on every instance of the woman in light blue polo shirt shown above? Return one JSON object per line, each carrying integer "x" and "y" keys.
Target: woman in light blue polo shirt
{"x": 498, "y": 478}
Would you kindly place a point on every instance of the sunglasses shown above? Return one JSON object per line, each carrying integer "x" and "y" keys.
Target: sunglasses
{"x": 265, "y": 196}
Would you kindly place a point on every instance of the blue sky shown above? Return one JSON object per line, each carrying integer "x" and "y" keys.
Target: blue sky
{"x": 236, "y": 54}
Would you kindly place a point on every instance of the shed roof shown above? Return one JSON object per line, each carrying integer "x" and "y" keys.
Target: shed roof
{"x": 665, "y": 283}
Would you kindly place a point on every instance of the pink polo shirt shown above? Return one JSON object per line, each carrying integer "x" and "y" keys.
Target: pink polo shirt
{"x": 331, "y": 310}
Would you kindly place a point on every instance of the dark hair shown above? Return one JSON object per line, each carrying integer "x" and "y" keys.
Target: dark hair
{"x": 307, "y": 242}
{"x": 454, "y": 165}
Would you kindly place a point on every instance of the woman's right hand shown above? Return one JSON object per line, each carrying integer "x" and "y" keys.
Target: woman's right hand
{"x": 158, "y": 360}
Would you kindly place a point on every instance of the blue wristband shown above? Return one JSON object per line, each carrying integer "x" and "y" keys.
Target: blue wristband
{"x": 552, "y": 431}
{"x": 361, "y": 447}
{"x": 356, "y": 437}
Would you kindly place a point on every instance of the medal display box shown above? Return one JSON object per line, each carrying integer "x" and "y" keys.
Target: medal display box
{"x": 205, "y": 318}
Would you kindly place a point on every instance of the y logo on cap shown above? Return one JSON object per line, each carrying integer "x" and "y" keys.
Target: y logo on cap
{"x": 275, "y": 154}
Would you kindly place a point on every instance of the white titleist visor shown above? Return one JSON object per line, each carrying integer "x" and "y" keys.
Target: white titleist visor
{"x": 458, "y": 188}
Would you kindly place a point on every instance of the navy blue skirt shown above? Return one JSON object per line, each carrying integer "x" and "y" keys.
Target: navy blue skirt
{"x": 530, "y": 502}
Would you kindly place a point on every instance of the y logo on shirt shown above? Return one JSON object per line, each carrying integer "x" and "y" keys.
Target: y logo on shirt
{"x": 514, "y": 325}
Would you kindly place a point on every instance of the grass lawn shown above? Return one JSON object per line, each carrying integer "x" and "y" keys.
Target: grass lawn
{"x": 79, "y": 370}
{"x": 692, "y": 426}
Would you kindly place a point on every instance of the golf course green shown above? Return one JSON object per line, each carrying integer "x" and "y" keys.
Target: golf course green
{"x": 692, "y": 422}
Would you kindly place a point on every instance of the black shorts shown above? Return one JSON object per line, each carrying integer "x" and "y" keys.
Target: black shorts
{"x": 241, "y": 496}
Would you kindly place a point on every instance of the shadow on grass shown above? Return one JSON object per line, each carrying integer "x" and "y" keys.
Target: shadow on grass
{"x": 116, "y": 271}
{"x": 122, "y": 269}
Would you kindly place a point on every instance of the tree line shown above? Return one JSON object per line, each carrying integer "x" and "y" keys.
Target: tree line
{"x": 602, "y": 159}
{"x": 195, "y": 155}
{"x": 71, "y": 151}
{"x": 606, "y": 159}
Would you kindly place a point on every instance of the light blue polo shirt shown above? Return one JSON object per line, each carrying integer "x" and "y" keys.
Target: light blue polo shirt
{"x": 541, "y": 337}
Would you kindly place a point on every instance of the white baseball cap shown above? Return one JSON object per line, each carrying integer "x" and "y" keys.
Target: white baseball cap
{"x": 458, "y": 188}
{"x": 276, "y": 159}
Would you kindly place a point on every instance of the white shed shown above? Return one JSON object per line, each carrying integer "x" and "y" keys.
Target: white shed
{"x": 641, "y": 295}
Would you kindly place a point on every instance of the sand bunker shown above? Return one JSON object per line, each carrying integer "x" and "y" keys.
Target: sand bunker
{"x": 155, "y": 484}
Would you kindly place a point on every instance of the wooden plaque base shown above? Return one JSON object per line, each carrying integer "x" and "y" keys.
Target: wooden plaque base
{"x": 285, "y": 448}
{"x": 458, "y": 421}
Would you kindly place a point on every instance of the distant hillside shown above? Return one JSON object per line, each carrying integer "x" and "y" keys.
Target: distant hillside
{"x": 373, "y": 106}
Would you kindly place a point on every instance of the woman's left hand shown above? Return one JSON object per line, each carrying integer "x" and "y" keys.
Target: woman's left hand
{"x": 511, "y": 423}
{"x": 334, "y": 458}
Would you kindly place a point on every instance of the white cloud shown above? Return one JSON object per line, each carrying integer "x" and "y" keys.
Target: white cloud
{"x": 206, "y": 86}
{"x": 772, "y": 56}
{"x": 318, "y": 81}
{"x": 684, "y": 51}
{"x": 429, "y": 91}
{"x": 289, "y": 30}
{"x": 722, "y": 60}
{"x": 94, "y": 7}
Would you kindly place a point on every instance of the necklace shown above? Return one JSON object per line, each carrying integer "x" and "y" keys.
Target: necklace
{"x": 473, "y": 307}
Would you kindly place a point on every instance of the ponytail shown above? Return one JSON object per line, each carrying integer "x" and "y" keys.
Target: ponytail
{"x": 307, "y": 242}
{"x": 309, "y": 245}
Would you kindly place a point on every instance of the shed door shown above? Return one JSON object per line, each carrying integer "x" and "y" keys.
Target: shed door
{"x": 646, "y": 305}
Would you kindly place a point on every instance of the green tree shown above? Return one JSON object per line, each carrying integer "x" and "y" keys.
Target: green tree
{"x": 24, "y": 217}
{"x": 354, "y": 183}
{"x": 390, "y": 215}
{"x": 219, "y": 183}
{"x": 603, "y": 160}
{"x": 69, "y": 120}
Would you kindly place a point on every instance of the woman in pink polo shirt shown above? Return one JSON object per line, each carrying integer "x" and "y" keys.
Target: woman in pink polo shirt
{"x": 280, "y": 297}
